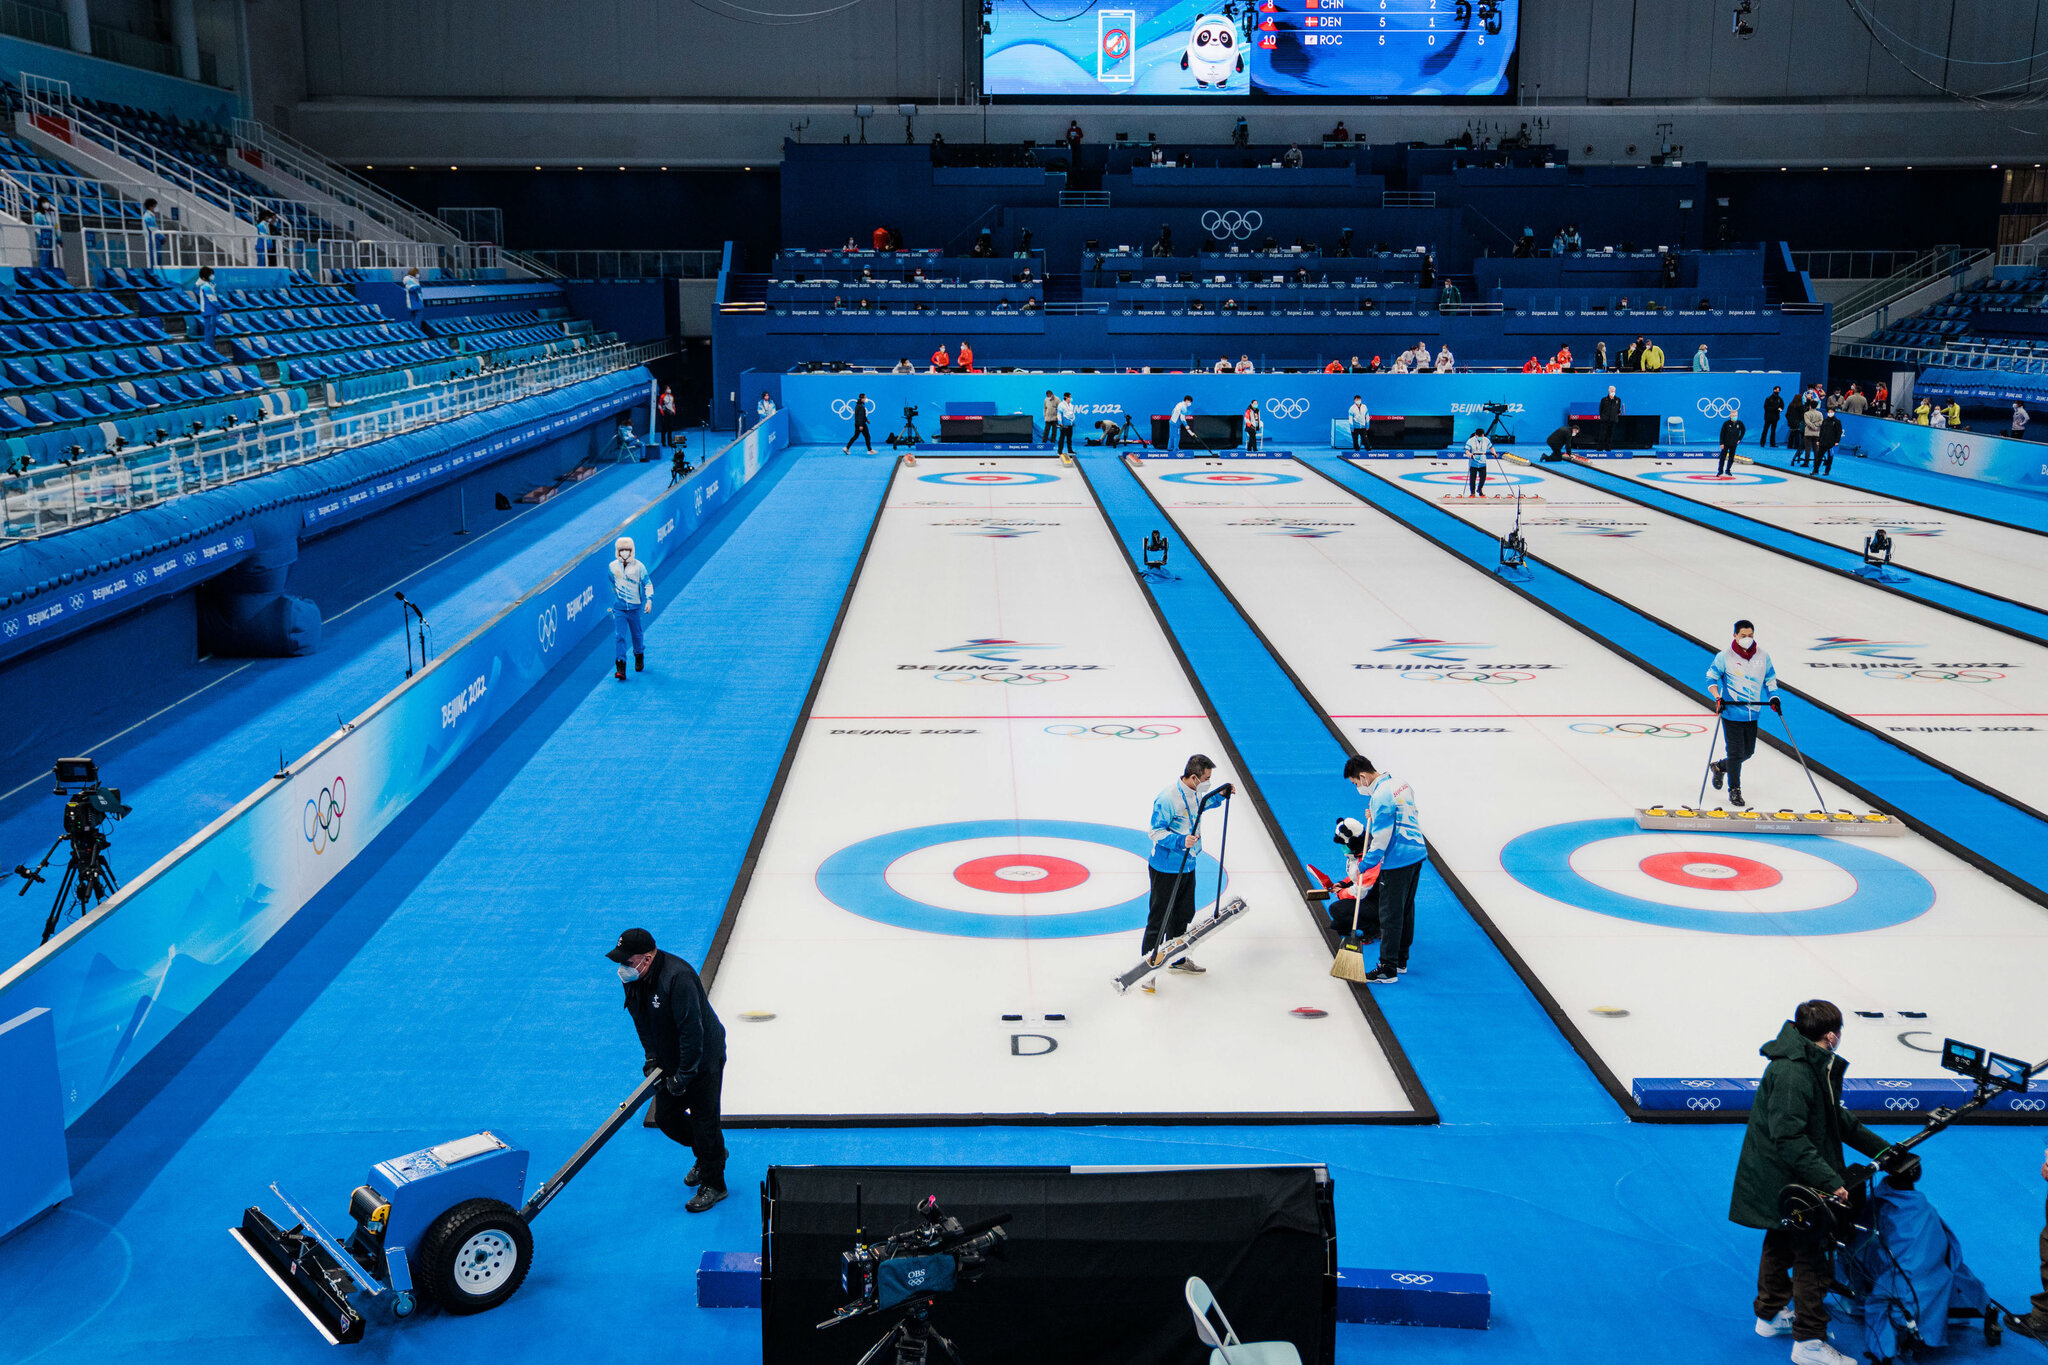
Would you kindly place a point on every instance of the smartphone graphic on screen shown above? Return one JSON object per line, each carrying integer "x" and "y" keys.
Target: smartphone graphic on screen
{"x": 1116, "y": 44}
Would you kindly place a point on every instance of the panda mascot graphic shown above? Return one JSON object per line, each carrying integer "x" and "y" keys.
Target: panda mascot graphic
{"x": 1212, "y": 52}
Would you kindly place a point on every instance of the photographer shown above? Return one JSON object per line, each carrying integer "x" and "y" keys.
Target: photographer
{"x": 680, "y": 1034}
{"x": 1176, "y": 844}
{"x": 1797, "y": 1126}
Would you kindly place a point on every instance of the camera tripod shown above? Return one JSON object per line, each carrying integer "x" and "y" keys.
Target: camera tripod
{"x": 88, "y": 876}
{"x": 910, "y": 436}
{"x": 913, "y": 1336}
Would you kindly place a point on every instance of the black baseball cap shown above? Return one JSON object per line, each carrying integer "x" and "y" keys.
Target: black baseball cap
{"x": 632, "y": 943}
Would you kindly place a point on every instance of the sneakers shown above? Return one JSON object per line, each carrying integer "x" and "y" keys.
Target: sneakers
{"x": 619, "y": 669}
{"x": 1735, "y": 797}
{"x": 2027, "y": 1327}
{"x": 1778, "y": 1326}
{"x": 696, "y": 1178}
{"x": 1819, "y": 1353}
{"x": 639, "y": 662}
{"x": 707, "y": 1195}
{"x": 1381, "y": 976}
{"x": 1187, "y": 967}
{"x": 1717, "y": 772}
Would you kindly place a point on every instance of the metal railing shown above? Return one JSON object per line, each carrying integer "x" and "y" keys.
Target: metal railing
{"x": 616, "y": 265}
{"x": 50, "y": 27}
{"x": 458, "y": 258}
{"x": 1407, "y": 199}
{"x": 53, "y": 498}
{"x": 1855, "y": 265}
{"x": 287, "y": 156}
{"x": 128, "y": 247}
{"x": 49, "y": 104}
{"x": 1955, "y": 355}
{"x": 1950, "y": 262}
{"x": 1084, "y": 199}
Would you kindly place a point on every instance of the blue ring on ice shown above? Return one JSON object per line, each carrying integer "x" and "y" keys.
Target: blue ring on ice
{"x": 1694, "y": 477}
{"x": 1222, "y": 478}
{"x": 979, "y": 478}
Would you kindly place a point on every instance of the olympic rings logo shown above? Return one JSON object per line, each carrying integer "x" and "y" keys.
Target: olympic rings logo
{"x": 1007, "y": 679}
{"x": 1901, "y": 1102}
{"x": 547, "y": 630}
{"x": 322, "y": 816}
{"x": 1472, "y": 675}
{"x": 1287, "y": 409}
{"x": 1967, "y": 675}
{"x": 1958, "y": 454}
{"x": 1406, "y": 1278}
{"x": 1719, "y": 407}
{"x": 1231, "y": 223}
{"x": 842, "y": 408}
{"x": 1115, "y": 730}
{"x": 1699, "y": 1085}
{"x": 2028, "y": 1105}
{"x": 1893, "y": 1085}
{"x": 1675, "y": 729}
{"x": 1703, "y": 1102}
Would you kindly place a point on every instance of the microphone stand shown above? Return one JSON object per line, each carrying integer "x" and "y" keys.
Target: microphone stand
{"x": 407, "y": 605}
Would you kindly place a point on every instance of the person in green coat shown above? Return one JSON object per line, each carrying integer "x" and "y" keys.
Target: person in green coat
{"x": 1797, "y": 1126}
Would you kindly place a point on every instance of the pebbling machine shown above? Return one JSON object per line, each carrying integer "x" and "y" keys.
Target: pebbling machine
{"x": 444, "y": 1223}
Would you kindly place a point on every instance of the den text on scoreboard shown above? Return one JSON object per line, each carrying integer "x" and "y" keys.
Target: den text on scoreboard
{"x": 1378, "y": 23}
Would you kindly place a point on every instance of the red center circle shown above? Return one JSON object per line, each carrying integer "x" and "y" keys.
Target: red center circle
{"x": 1230, "y": 478}
{"x": 1741, "y": 874}
{"x": 986, "y": 874}
{"x": 989, "y": 478}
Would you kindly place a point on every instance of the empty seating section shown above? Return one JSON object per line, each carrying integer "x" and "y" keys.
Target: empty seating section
{"x": 2002, "y": 320}
{"x": 69, "y": 193}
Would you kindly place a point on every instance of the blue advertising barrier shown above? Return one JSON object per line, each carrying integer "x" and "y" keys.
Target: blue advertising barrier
{"x": 35, "y": 1170}
{"x": 1903, "y": 1098}
{"x": 118, "y": 980}
{"x": 1298, "y": 408}
{"x": 1965, "y": 454}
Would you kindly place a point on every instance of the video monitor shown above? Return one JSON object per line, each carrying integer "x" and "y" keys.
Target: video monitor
{"x": 1252, "y": 49}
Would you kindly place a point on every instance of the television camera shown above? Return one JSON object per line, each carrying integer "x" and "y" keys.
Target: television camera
{"x": 88, "y": 877}
{"x": 907, "y": 1269}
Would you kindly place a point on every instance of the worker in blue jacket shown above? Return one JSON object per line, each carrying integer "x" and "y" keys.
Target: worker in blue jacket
{"x": 1176, "y": 845}
{"x": 1742, "y": 680}
{"x": 632, "y": 599}
{"x": 209, "y": 304}
{"x": 1387, "y": 866}
{"x": 47, "y": 234}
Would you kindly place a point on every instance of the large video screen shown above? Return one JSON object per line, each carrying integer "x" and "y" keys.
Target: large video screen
{"x": 1304, "y": 49}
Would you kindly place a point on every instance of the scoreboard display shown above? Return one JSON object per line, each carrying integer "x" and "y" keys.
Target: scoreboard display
{"x": 1244, "y": 49}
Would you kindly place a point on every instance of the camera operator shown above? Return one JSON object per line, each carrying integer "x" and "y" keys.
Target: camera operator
{"x": 681, "y": 1035}
{"x": 2034, "y": 1325}
{"x": 1797, "y": 1125}
{"x": 1175, "y": 846}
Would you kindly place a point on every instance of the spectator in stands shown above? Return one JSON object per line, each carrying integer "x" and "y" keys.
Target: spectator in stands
{"x": 1196, "y": 305}
{"x": 1478, "y": 450}
{"x": 2019, "y": 421}
{"x": 48, "y": 238}
{"x": 1732, "y": 432}
{"x": 1177, "y": 422}
{"x": 1610, "y": 418}
{"x": 1632, "y": 358}
{"x": 1002, "y": 305}
{"x": 415, "y": 298}
{"x": 1824, "y": 450}
{"x": 152, "y": 239}
{"x": 1653, "y": 358}
{"x": 1158, "y": 155}
{"x": 1562, "y": 361}
{"x": 963, "y": 359}
{"x": 1954, "y": 413}
{"x": 764, "y": 409}
{"x": 1445, "y": 361}
{"x": 1923, "y": 414}
{"x": 1854, "y": 402}
{"x": 1222, "y": 365}
{"x": 1600, "y": 356}
{"x": 1356, "y": 368}
{"x": 1448, "y": 295}
{"x": 1291, "y": 158}
{"x": 1774, "y": 408}
{"x": 1560, "y": 442}
{"x": 1699, "y": 360}
{"x": 1573, "y": 243}
{"x": 1334, "y": 367}
{"x": 1361, "y": 423}
{"x": 1031, "y": 304}
{"x": 1525, "y": 245}
{"x": 984, "y": 246}
{"x": 903, "y": 366}
{"x": 1231, "y": 305}
{"x": 880, "y": 237}
{"x": 1024, "y": 275}
{"x": 1557, "y": 243}
{"x": 1164, "y": 246}
{"x": 1253, "y": 425}
{"x": 209, "y": 304}
{"x": 1340, "y": 133}
{"x": 941, "y": 362}
{"x": 1245, "y": 366}
{"x": 1240, "y": 133}
{"x": 1074, "y": 139}
{"x": 266, "y": 227}
{"x": 1621, "y": 306}
{"x": 851, "y": 243}
{"x": 665, "y": 415}
{"x": 1532, "y": 366}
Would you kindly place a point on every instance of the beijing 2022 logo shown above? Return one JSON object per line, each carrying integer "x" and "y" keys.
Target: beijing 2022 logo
{"x": 322, "y": 818}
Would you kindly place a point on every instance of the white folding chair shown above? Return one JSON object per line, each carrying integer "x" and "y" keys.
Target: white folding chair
{"x": 1228, "y": 1349}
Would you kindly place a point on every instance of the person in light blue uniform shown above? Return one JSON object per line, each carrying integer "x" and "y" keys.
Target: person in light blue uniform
{"x": 1741, "y": 680}
{"x": 1478, "y": 450}
{"x": 632, "y": 599}
{"x": 764, "y": 409}
{"x": 1178, "y": 422}
{"x": 414, "y": 291}
{"x": 45, "y": 221}
{"x": 152, "y": 236}
{"x": 1176, "y": 845}
{"x": 1390, "y": 858}
{"x": 264, "y": 231}
{"x": 209, "y": 304}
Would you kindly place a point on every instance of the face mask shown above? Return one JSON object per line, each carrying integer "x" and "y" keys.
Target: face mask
{"x": 628, "y": 975}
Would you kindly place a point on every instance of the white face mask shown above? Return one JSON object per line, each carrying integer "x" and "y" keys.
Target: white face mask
{"x": 628, "y": 975}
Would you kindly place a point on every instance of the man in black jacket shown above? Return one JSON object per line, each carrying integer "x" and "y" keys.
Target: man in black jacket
{"x": 1824, "y": 448}
{"x": 1610, "y": 418}
{"x": 1732, "y": 432}
{"x": 680, "y": 1034}
{"x": 1797, "y": 1126}
{"x": 1560, "y": 442}
{"x": 1774, "y": 408}
{"x": 1795, "y": 428}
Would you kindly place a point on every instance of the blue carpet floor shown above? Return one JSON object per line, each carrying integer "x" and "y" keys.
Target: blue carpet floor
{"x": 453, "y": 979}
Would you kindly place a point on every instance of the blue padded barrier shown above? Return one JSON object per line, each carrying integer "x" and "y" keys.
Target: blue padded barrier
{"x": 35, "y": 1170}
{"x": 1869, "y": 1097}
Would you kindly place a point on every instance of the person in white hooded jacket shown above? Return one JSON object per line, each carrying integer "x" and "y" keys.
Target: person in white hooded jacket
{"x": 632, "y": 599}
